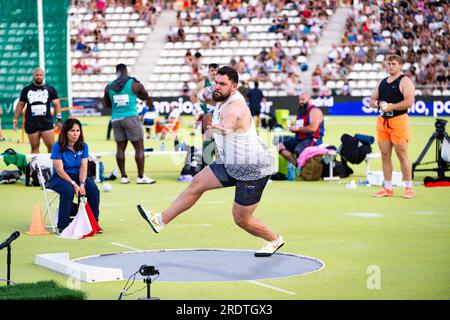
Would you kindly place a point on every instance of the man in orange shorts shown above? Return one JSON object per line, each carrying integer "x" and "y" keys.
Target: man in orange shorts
{"x": 393, "y": 96}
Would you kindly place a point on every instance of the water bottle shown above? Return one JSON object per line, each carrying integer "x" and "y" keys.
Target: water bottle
{"x": 101, "y": 169}
{"x": 290, "y": 172}
{"x": 163, "y": 146}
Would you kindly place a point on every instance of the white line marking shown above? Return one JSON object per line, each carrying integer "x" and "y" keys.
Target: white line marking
{"x": 271, "y": 287}
{"x": 365, "y": 215}
{"x": 424, "y": 212}
{"x": 125, "y": 246}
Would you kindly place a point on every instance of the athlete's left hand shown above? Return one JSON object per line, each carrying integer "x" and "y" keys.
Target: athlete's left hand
{"x": 388, "y": 108}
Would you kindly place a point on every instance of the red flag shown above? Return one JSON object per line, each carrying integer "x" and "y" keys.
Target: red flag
{"x": 94, "y": 225}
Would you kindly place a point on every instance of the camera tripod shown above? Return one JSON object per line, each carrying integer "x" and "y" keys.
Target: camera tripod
{"x": 439, "y": 135}
{"x": 148, "y": 281}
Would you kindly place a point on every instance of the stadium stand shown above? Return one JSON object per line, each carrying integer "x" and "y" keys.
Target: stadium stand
{"x": 416, "y": 30}
{"x": 102, "y": 38}
{"x": 269, "y": 42}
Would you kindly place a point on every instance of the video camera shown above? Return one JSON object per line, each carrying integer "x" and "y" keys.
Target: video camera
{"x": 147, "y": 271}
{"x": 440, "y": 126}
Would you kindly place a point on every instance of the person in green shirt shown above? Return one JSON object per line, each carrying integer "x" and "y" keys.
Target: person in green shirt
{"x": 204, "y": 114}
{"x": 120, "y": 96}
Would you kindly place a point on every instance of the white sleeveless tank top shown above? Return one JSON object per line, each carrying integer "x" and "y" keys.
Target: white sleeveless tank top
{"x": 244, "y": 155}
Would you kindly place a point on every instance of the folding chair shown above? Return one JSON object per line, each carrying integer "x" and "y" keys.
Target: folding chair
{"x": 170, "y": 127}
{"x": 39, "y": 162}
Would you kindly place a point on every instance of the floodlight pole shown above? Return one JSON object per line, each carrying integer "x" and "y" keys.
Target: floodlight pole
{"x": 40, "y": 19}
{"x": 69, "y": 66}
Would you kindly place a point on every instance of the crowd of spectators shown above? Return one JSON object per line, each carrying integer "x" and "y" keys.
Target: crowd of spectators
{"x": 416, "y": 30}
{"x": 276, "y": 63}
{"x": 89, "y": 33}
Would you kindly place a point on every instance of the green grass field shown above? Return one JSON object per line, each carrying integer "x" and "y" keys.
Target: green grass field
{"x": 408, "y": 241}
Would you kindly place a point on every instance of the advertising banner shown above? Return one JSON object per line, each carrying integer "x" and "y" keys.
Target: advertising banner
{"x": 431, "y": 106}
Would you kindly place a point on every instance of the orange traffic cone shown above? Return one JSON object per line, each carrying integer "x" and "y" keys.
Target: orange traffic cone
{"x": 37, "y": 227}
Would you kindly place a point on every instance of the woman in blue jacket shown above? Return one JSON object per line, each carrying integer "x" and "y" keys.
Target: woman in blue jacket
{"x": 70, "y": 160}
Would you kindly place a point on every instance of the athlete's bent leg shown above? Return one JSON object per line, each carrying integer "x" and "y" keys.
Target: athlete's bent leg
{"x": 243, "y": 216}
{"x": 203, "y": 181}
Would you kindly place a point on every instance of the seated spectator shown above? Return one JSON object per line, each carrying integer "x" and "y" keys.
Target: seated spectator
{"x": 70, "y": 163}
{"x": 188, "y": 58}
{"x": 185, "y": 89}
{"x": 315, "y": 84}
{"x": 101, "y": 7}
{"x": 97, "y": 66}
{"x": 95, "y": 50}
{"x": 293, "y": 85}
{"x": 80, "y": 45}
{"x": 225, "y": 16}
{"x": 262, "y": 75}
{"x": 197, "y": 61}
{"x": 318, "y": 72}
{"x": 235, "y": 33}
{"x": 205, "y": 41}
{"x": 241, "y": 66}
{"x": 87, "y": 52}
{"x": 215, "y": 37}
{"x": 81, "y": 67}
{"x": 172, "y": 35}
{"x": 345, "y": 88}
{"x": 308, "y": 128}
{"x": 106, "y": 36}
{"x": 181, "y": 34}
{"x": 324, "y": 91}
{"x": 233, "y": 63}
{"x": 131, "y": 36}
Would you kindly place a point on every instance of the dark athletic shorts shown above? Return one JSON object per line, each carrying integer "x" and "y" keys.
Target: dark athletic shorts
{"x": 296, "y": 146}
{"x": 247, "y": 193}
{"x": 255, "y": 111}
{"x": 35, "y": 124}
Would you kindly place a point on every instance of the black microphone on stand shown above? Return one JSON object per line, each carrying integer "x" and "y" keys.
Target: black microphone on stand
{"x": 11, "y": 238}
{"x": 7, "y": 244}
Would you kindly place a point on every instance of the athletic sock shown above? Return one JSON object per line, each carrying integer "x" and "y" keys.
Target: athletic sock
{"x": 160, "y": 220}
{"x": 388, "y": 185}
{"x": 408, "y": 184}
